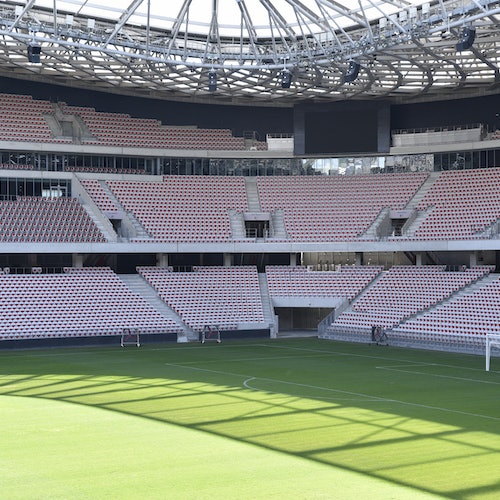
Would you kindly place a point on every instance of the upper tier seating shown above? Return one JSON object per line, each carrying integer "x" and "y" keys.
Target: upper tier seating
{"x": 22, "y": 119}
{"x": 183, "y": 208}
{"x": 285, "y": 281}
{"x": 475, "y": 313}
{"x": 462, "y": 204}
{"x": 404, "y": 291}
{"x": 210, "y": 296}
{"x": 36, "y": 219}
{"x": 120, "y": 129}
{"x": 82, "y": 302}
{"x": 335, "y": 208}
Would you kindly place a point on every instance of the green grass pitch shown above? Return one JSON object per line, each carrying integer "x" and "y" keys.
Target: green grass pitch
{"x": 272, "y": 419}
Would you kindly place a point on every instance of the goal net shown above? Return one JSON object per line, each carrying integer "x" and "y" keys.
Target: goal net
{"x": 130, "y": 336}
{"x": 492, "y": 340}
{"x": 210, "y": 332}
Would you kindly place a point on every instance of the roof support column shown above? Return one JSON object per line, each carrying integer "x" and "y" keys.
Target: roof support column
{"x": 162, "y": 260}
{"x": 473, "y": 259}
{"x": 77, "y": 260}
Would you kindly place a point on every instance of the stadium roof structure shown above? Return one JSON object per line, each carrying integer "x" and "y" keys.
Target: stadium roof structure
{"x": 327, "y": 49}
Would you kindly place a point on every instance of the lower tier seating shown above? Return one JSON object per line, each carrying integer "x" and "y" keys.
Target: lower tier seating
{"x": 474, "y": 313}
{"x": 81, "y": 302}
{"x": 404, "y": 291}
{"x": 227, "y": 297}
{"x": 412, "y": 302}
{"x": 298, "y": 281}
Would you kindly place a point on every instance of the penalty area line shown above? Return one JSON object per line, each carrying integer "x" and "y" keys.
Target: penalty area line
{"x": 367, "y": 397}
{"x": 382, "y": 358}
{"x": 400, "y": 369}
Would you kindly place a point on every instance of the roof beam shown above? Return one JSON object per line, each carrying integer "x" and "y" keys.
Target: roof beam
{"x": 27, "y": 7}
{"x": 183, "y": 14}
{"x": 123, "y": 19}
{"x": 340, "y": 9}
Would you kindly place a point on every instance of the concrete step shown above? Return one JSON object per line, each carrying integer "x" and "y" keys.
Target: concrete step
{"x": 108, "y": 234}
{"x": 419, "y": 195}
{"x": 253, "y": 199}
{"x": 267, "y": 305}
{"x": 237, "y": 225}
{"x": 417, "y": 222}
{"x": 134, "y": 229}
{"x": 139, "y": 285}
{"x": 278, "y": 225}
{"x": 372, "y": 231}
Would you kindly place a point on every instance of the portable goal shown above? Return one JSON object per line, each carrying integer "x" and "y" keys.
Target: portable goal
{"x": 492, "y": 340}
{"x": 130, "y": 336}
{"x": 210, "y": 332}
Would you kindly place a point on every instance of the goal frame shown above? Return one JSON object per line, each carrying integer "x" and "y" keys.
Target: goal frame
{"x": 130, "y": 336}
{"x": 379, "y": 336}
{"x": 492, "y": 340}
{"x": 210, "y": 333}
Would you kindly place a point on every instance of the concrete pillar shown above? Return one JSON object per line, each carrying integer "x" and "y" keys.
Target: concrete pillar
{"x": 162, "y": 260}
{"x": 293, "y": 259}
{"x": 227, "y": 260}
{"x": 359, "y": 258}
{"x": 77, "y": 260}
{"x": 473, "y": 259}
{"x": 418, "y": 259}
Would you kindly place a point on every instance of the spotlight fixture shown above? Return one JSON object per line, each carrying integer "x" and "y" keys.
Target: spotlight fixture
{"x": 467, "y": 39}
{"x": 286, "y": 79}
{"x": 352, "y": 72}
{"x": 34, "y": 52}
{"x": 212, "y": 81}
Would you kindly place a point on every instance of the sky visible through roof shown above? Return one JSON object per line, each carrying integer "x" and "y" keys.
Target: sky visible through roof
{"x": 197, "y": 15}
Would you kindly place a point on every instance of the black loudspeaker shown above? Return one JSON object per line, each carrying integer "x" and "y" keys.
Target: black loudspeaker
{"x": 352, "y": 72}
{"x": 468, "y": 37}
{"x": 34, "y": 52}
{"x": 212, "y": 81}
{"x": 286, "y": 79}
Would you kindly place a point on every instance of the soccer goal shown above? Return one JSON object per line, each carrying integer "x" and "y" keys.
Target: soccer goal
{"x": 210, "y": 332}
{"x": 379, "y": 336}
{"x": 492, "y": 340}
{"x": 130, "y": 336}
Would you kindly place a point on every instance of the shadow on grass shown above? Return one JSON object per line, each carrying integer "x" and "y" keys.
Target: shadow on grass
{"x": 418, "y": 419}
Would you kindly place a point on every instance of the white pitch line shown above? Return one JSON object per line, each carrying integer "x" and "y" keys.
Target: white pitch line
{"x": 399, "y": 368}
{"x": 338, "y": 391}
{"x": 267, "y": 358}
{"x": 409, "y": 364}
{"x": 219, "y": 347}
{"x": 246, "y": 384}
{"x": 31, "y": 353}
{"x": 321, "y": 352}
{"x": 377, "y": 357}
